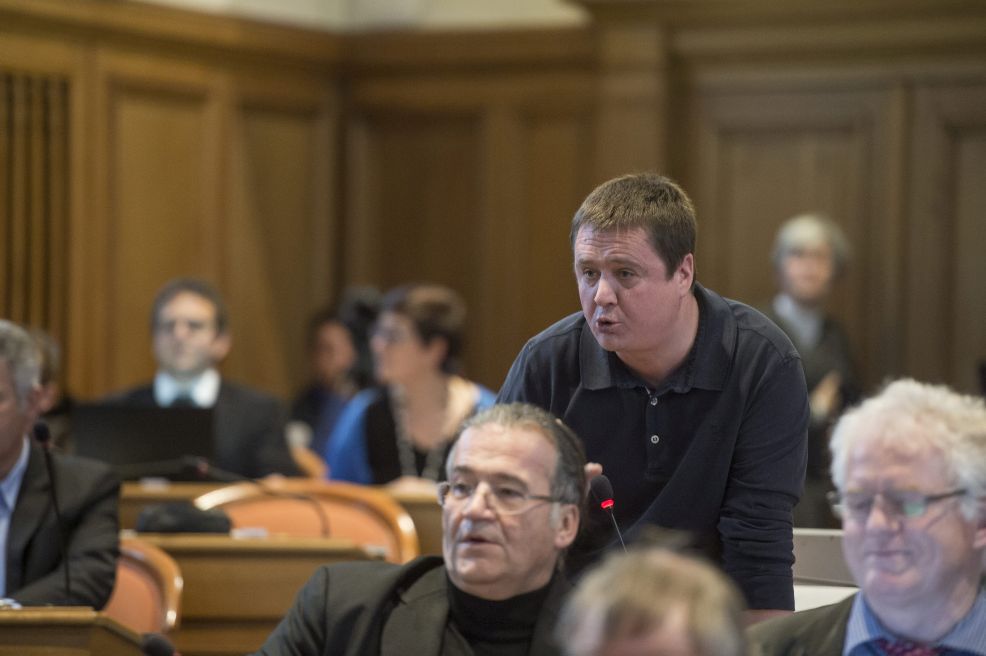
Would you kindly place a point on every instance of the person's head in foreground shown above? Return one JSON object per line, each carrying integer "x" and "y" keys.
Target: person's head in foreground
{"x": 910, "y": 468}
{"x": 511, "y": 504}
{"x": 653, "y": 602}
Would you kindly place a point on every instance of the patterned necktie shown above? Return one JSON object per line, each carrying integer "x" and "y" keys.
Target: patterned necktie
{"x": 905, "y": 648}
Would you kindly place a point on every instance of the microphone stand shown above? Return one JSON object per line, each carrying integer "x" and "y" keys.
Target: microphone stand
{"x": 43, "y": 436}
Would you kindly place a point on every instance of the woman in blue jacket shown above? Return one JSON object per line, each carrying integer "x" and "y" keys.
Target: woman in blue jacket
{"x": 402, "y": 430}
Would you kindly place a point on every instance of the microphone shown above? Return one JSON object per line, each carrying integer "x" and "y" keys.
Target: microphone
{"x": 43, "y": 437}
{"x": 602, "y": 492}
{"x": 155, "y": 644}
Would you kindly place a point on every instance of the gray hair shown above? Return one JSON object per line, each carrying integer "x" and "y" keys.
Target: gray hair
{"x": 808, "y": 230}
{"x": 568, "y": 481}
{"x": 632, "y": 594}
{"x": 910, "y": 415}
{"x": 19, "y": 350}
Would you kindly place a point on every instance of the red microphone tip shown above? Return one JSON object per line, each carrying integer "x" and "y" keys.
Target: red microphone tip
{"x": 607, "y": 504}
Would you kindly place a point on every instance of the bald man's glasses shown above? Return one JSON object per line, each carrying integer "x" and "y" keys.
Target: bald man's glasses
{"x": 503, "y": 498}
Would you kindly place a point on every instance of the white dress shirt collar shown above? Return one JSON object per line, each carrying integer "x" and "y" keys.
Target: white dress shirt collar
{"x": 203, "y": 390}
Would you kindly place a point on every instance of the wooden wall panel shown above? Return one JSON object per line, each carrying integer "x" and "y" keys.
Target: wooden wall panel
{"x": 417, "y": 219}
{"x": 281, "y": 189}
{"x": 558, "y": 172}
{"x": 207, "y": 145}
{"x": 772, "y": 108}
{"x": 763, "y": 156}
{"x": 537, "y": 175}
{"x": 162, "y": 207}
{"x": 35, "y": 130}
{"x": 945, "y": 267}
{"x": 471, "y": 183}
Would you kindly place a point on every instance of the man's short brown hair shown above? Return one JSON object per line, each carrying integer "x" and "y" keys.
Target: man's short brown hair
{"x": 643, "y": 200}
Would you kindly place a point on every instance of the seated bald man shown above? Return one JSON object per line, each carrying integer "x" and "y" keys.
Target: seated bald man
{"x": 511, "y": 506}
{"x": 910, "y": 469}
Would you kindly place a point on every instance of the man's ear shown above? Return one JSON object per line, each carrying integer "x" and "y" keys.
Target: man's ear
{"x": 33, "y": 400}
{"x": 220, "y": 347}
{"x": 437, "y": 350}
{"x": 568, "y": 525}
{"x": 685, "y": 273}
{"x": 979, "y": 537}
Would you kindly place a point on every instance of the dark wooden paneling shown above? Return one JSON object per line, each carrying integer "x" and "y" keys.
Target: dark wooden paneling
{"x": 280, "y": 191}
{"x": 945, "y": 268}
{"x": 419, "y": 180}
{"x": 471, "y": 182}
{"x": 162, "y": 173}
{"x": 760, "y": 157}
{"x": 203, "y": 144}
{"x": 34, "y": 131}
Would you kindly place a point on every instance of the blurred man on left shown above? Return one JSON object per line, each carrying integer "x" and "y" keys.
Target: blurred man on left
{"x": 32, "y": 570}
{"x": 190, "y": 337}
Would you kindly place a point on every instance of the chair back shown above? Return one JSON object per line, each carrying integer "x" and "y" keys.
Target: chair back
{"x": 319, "y": 508}
{"x": 147, "y": 593}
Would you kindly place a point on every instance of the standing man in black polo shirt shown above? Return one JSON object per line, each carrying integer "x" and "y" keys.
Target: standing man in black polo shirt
{"x": 694, "y": 405}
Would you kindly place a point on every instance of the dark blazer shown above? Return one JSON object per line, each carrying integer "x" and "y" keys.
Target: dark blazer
{"x": 816, "y": 632}
{"x": 249, "y": 429}
{"x": 88, "y": 493}
{"x": 363, "y": 609}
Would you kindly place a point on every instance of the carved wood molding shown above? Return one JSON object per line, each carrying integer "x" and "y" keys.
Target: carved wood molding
{"x": 768, "y": 28}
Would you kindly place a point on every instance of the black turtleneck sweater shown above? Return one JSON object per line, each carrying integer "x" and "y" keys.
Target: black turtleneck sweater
{"x": 497, "y": 628}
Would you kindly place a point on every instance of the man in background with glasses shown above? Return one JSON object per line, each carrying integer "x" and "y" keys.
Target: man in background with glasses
{"x": 190, "y": 338}
{"x": 511, "y": 506}
{"x": 910, "y": 469}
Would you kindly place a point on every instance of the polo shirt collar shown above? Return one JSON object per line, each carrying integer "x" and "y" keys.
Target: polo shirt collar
{"x": 706, "y": 366}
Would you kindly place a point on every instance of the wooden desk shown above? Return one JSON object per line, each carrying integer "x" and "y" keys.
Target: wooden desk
{"x": 135, "y": 496}
{"x": 421, "y": 506}
{"x": 238, "y": 589}
{"x": 64, "y": 632}
{"x": 427, "y": 516}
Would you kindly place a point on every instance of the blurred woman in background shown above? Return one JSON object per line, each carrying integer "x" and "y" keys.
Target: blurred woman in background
{"x": 402, "y": 430}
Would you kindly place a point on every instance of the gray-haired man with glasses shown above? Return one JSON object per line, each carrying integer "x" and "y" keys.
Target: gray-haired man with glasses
{"x": 510, "y": 508}
{"x": 909, "y": 466}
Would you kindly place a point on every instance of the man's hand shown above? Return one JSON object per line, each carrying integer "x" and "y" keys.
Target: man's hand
{"x": 754, "y": 616}
{"x": 826, "y": 398}
{"x": 592, "y": 469}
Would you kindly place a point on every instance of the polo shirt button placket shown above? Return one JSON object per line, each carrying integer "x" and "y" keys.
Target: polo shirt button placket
{"x": 654, "y": 439}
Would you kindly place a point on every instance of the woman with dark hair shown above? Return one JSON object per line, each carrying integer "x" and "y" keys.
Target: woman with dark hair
{"x": 403, "y": 429}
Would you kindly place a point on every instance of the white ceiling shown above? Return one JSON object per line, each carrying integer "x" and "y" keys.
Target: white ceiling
{"x": 381, "y": 14}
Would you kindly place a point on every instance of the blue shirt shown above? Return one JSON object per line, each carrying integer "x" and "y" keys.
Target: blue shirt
{"x": 10, "y": 487}
{"x": 968, "y": 637}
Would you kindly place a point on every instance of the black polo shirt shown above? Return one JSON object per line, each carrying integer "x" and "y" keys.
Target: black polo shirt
{"x": 718, "y": 449}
